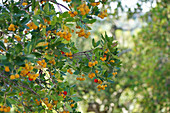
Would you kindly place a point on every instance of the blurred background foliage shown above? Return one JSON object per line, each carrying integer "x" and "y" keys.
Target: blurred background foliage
{"x": 143, "y": 84}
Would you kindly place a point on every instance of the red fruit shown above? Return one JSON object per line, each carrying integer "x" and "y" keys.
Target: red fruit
{"x": 65, "y": 92}
{"x": 30, "y": 79}
{"x": 62, "y": 52}
{"x": 95, "y": 80}
{"x": 27, "y": 73}
{"x": 104, "y": 55}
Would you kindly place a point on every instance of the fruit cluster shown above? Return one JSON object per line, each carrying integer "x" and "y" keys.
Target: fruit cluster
{"x": 70, "y": 55}
{"x": 55, "y": 102}
{"x": 82, "y": 33}
{"x": 4, "y": 108}
{"x": 20, "y": 93}
{"x": 95, "y": 3}
{"x": 26, "y": 72}
{"x": 18, "y": 38}
{"x": 42, "y": 63}
{"x": 12, "y": 77}
{"x": 42, "y": 26}
{"x": 73, "y": 14}
{"x": 31, "y": 26}
{"x": 114, "y": 73}
{"x": 84, "y": 9}
{"x": 65, "y": 35}
{"x": 63, "y": 94}
{"x": 69, "y": 71}
{"x": 90, "y": 64}
{"x": 91, "y": 75}
{"x": 47, "y": 21}
{"x": 98, "y": 81}
{"x": 52, "y": 62}
{"x": 102, "y": 14}
{"x": 101, "y": 87}
{"x": 103, "y": 58}
{"x": 49, "y": 105}
{"x": 32, "y": 76}
{"x": 38, "y": 101}
{"x": 81, "y": 78}
{"x": 11, "y": 27}
{"x": 112, "y": 61}
{"x": 107, "y": 50}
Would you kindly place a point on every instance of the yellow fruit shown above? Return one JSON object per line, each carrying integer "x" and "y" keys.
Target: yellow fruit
{"x": 12, "y": 77}
{"x": 17, "y": 76}
{"x": 24, "y": 3}
{"x": 5, "y": 40}
{"x": 7, "y": 69}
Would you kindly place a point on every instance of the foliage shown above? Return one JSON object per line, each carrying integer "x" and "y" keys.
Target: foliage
{"x": 37, "y": 52}
{"x": 142, "y": 86}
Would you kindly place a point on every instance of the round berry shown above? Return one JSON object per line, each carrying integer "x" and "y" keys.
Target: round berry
{"x": 95, "y": 80}
{"x": 30, "y": 79}
{"x": 65, "y": 92}
{"x": 62, "y": 52}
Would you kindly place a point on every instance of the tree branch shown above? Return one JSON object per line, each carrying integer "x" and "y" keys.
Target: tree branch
{"x": 124, "y": 51}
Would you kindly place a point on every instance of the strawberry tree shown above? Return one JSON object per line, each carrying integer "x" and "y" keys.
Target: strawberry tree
{"x": 37, "y": 53}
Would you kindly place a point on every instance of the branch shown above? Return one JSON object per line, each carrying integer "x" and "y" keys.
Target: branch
{"x": 84, "y": 52}
{"x": 22, "y": 85}
{"x": 58, "y": 4}
{"x": 124, "y": 51}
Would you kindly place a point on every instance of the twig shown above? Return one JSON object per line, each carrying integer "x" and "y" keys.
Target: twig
{"x": 58, "y": 4}
{"x": 84, "y": 52}
{"x": 124, "y": 51}
{"x": 22, "y": 85}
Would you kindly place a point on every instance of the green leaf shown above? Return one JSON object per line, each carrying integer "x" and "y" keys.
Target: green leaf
{"x": 69, "y": 19}
{"x": 65, "y": 49}
{"x": 54, "y": 20}
{"x": 86, "y": 69}
{"x": 46, "y": 8}
{"x": 91, "y": 21}
{"x": 2, "y": 44}
{"x": 29, "y": 47}
{"x": 2, "y": 57}
{"x": 76, "y": 72}
{"x": 30, "y": 56}
{"x": 48, "y": 57}
{"x": 93, "y": 43}
{"x": 42, "y": 111}
{"x": 18, "y": 48}
{"x": 97, "y": 44}
{"x": 65, "y": 15}
{"x": 35, "y": 21}
{"x": 59, "y": 98}
{"x": 69, "y": 107}
{"x": 12, "y": 101}
{"x": 53, "y": 97}
{"x": 59, "y": 105}
{"x": 8, "y": 103}
{"x": 76, "y": 99}
{"x": 11, "y": 94}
